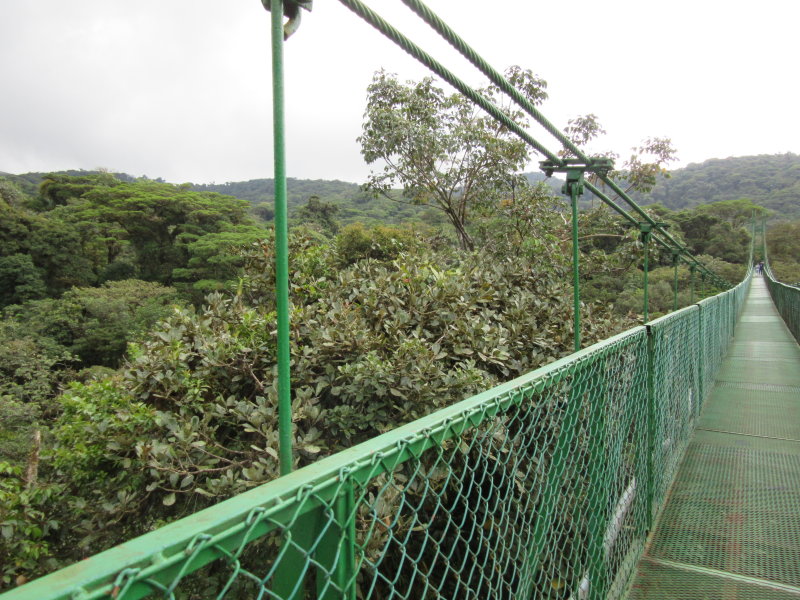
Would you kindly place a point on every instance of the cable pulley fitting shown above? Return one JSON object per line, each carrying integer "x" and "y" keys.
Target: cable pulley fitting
{"x": 291, "y": 9}
{"x": 574, "y": 168}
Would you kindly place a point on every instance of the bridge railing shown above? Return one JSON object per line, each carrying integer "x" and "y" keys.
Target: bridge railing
{"x": 787, "y": 301}
{"x": 545, "y": 486}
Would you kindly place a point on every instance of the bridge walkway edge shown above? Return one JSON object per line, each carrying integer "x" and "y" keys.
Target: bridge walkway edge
{"x": 731, "y": 525}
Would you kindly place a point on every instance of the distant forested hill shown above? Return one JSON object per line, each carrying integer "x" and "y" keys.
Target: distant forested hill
{"x": 771, "y": 180}
{"x": 353, "y": 203}
{"x": 29, "y": 183}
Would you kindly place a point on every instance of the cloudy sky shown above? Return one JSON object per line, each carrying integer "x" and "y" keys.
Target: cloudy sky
{"x": 180, "y": 89}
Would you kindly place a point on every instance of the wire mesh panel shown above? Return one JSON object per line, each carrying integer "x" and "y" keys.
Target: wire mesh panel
{"x": 708, "y": 340}
{"x": 676, "y": 392}
{"x": 787, "y": 301}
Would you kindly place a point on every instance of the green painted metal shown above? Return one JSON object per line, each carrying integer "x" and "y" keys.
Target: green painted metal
{"x": 646, "y": 229}
{"x": 675, "y": 262}
{"x": 573, "y": 187}
{"x": 576, "y": 272}
{"x": 281, "y": 242}
{"x": 554, "y": 480}
{"x": 729, "y": 527}
{"x": 598, "y": 572}
{"x": 692, "y": 269}
{"x": 786, "y": 297}
{"x": 650, "y": 482}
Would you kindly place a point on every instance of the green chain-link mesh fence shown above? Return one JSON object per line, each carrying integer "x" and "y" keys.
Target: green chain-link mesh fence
{"x": 543, "y": 487}
{"x": 787, "y": 301}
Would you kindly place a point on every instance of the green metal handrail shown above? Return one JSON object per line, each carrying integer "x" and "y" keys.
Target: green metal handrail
{"x": 786, "y": 297}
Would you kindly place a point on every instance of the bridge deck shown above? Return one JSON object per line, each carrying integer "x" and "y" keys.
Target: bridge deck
{"x": 731, "y": 526}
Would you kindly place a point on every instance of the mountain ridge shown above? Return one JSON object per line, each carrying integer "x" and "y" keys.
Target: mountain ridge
{"x": 771, "y": 180}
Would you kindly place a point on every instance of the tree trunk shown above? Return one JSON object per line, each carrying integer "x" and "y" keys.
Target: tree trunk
{"x": 32, "y": 472}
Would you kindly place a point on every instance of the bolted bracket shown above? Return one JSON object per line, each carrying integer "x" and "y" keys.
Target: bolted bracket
{"x": 573, "y": 186}
{"x": 676, "y": 257}
{"x": 574, "y": 169}
{"x": 646, "y": 229}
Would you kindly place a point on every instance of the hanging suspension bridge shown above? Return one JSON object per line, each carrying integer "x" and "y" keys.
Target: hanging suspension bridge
{"x": 661, "y": 463}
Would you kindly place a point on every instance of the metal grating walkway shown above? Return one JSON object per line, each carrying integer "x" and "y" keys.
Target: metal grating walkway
{"x": 731, "y": 526}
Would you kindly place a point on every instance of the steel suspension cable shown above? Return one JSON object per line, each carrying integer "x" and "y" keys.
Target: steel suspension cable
{"x": 427, "y": 15}
{"x": 371, "y": 17}
{"x": 685, "y": 254}
{"x": 426, "y": 59}
{"x": 449, "y": 35}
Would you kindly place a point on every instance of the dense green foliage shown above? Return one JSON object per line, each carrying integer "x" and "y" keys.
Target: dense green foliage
{"x": 353, "y": 204}
{"x": 94, "y": 324}
{"x": 87, "y": 229}
{"x": 387, "y": 326}
{"x": 783, "y": 246}
{"x": 440, "y": 148}
{"x": 88, "y": 263}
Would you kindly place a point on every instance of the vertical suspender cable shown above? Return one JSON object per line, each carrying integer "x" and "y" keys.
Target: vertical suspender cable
{"x": 576, "y": 273}
{"x": 646, "y": 229}
{"x": 281, "y": 243}
{"x": 675, "y": 261}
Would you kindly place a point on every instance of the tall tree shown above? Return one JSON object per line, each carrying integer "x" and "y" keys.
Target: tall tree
{"x": 439, "y": 147}
{"x": 641, "y": 171}
{"x": 152, "y": 224}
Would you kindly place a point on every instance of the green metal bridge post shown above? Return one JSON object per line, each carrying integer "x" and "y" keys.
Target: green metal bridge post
{"x": 555, "y": 472}
{"x": 692, "y": 269}
{"x": 646, "y": 229}
{"x": 329, "y": 538}
{"x": 676, "y": 255}
{"x": 574, "y": 187}
{"x": 598, "y": 494}
{"x": 650, "y": 449}
{"x": 700, "y": 362}
{"x": 320, "y": 542}
{"x": 703, "y": 284}
{"x": 336, "y": 553}
{"x": 281, "y": 243}
{"x": 289, "y": 577}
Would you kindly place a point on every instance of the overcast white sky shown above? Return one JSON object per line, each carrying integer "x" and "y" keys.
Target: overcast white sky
{"x": 180, "y": 89}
